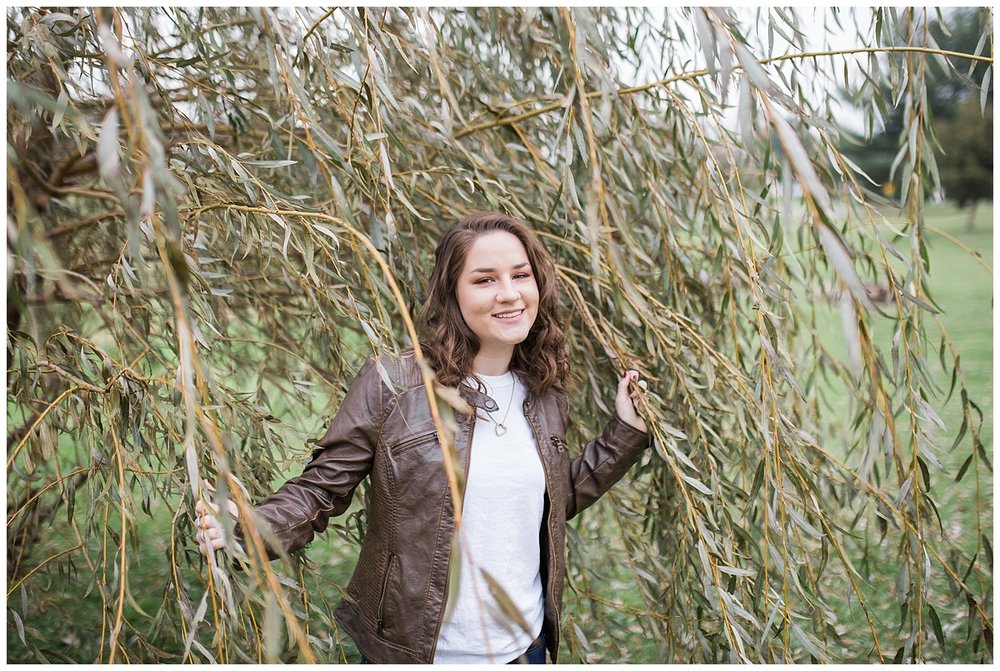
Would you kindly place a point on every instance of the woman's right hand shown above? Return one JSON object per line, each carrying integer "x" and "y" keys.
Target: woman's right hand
{"x": 211, "y": 536}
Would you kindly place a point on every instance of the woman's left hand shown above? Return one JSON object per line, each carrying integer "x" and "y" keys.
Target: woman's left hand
{"x": 624, "y": 401}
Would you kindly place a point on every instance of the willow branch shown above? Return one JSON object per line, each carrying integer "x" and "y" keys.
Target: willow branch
{"x": 62, "y": 229}
{"x": 629, "y": 90}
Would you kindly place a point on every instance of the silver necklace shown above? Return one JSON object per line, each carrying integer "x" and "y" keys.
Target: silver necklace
{"x": 500, "y": 428}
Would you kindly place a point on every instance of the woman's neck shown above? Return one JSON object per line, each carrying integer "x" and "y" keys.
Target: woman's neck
{"x": 492, "y": 363}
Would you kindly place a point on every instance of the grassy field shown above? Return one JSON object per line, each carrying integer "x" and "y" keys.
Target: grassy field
{"x": 963, "y": 287}
{"x": 69, "y": 617}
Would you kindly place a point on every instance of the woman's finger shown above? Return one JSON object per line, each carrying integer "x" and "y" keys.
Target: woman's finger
{"x": 625, "y": 401}
{"x": 205, "y": 508}
{"x": 216, "y": 540}
{"x": 628, "y": 377}
{"x": 210, "y": 540}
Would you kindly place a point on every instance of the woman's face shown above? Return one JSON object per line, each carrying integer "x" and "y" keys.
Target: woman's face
{"x": 497, "y": 293}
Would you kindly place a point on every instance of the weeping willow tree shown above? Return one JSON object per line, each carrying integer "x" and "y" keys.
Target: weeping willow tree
{"x": 215, "y": 215}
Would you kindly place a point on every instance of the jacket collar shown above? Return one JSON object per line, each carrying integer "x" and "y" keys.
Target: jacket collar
{"x": 477, "y": 398}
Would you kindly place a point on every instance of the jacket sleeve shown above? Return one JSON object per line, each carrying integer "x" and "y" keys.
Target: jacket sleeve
{"x": 302, "y": 506}
{"x": 602, "y": 463}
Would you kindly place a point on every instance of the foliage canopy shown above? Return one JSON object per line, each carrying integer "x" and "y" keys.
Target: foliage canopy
{"x": 215, "y": 214}
{"x": 960, "y": 99}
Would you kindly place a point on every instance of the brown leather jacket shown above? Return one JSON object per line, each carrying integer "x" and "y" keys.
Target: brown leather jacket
{"x": 396, "y": 598}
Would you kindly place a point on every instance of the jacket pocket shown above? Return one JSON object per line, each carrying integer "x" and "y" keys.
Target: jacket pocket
{"x": 411, "y": 443}
{"x": 380, "y": 615}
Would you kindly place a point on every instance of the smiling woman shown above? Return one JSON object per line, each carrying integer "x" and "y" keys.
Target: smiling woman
{"x": 492, "y": 329}
{"x": 498, "y": 297}
{"x": 479, "y": 265}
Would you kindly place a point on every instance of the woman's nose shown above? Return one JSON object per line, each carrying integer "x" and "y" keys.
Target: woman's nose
{"x": 507, "y": 292}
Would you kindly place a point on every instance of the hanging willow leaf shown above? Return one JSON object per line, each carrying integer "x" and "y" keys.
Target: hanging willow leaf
{"x": 107, "y": 147}
{"x": 231, "y": 209}
{"x": 506, "y": 604}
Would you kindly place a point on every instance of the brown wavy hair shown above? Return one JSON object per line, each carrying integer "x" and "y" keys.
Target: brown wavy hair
{"x": 540, "y": 360}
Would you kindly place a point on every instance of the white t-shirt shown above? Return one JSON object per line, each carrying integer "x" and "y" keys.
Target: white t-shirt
{"x": 502, "y": 516}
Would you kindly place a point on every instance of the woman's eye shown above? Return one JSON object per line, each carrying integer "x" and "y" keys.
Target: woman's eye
{"x": 521, "y": 276}
{"x": 483, "y": 280}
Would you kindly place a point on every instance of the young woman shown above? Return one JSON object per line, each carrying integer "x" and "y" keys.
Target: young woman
{"x": 493, "y": 330}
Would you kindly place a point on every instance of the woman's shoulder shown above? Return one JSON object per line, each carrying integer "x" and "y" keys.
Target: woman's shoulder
{"x": 398, "y": 372}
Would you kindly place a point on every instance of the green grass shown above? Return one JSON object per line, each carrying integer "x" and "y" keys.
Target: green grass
{"x": 66, "y": 613}
{"x": 963, "y": 288}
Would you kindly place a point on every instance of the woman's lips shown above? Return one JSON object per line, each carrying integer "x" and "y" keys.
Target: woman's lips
{"x": 510, "y": 315}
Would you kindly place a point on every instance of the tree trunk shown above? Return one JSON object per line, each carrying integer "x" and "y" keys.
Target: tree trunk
{"x": 970, "y": 224}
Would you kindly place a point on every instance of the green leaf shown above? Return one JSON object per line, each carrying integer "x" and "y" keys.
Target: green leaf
{"x": 61, "y": 103}
{"x": 984, "y": 92}
{"x": 697, "y": 484}
{"x": 805, "y": 526}
{"x": 269, "y": 164}
{"x": 19, "y": 625}
{"x": 964, "y": 468}
{"x": 505, "y": 603}
{"x": 272, "y": 633}
{"x": 108, "y": 162}
{"x": 936, "y": 624}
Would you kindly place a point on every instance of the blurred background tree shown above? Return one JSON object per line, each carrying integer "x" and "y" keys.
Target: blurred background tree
{"x": 966, "y": 162}
{"x": 216, "y": 214}
{"x": 960, "y": 96}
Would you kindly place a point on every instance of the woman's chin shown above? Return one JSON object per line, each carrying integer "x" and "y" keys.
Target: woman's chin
{"x": 517, "y": 338}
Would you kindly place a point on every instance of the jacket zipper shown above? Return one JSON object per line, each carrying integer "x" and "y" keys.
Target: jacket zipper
{"x": 380, "y": 622}
{"x": 548, "y": 521}
{"x": 447, "y": 576}
{"x": 412, "y": 442}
